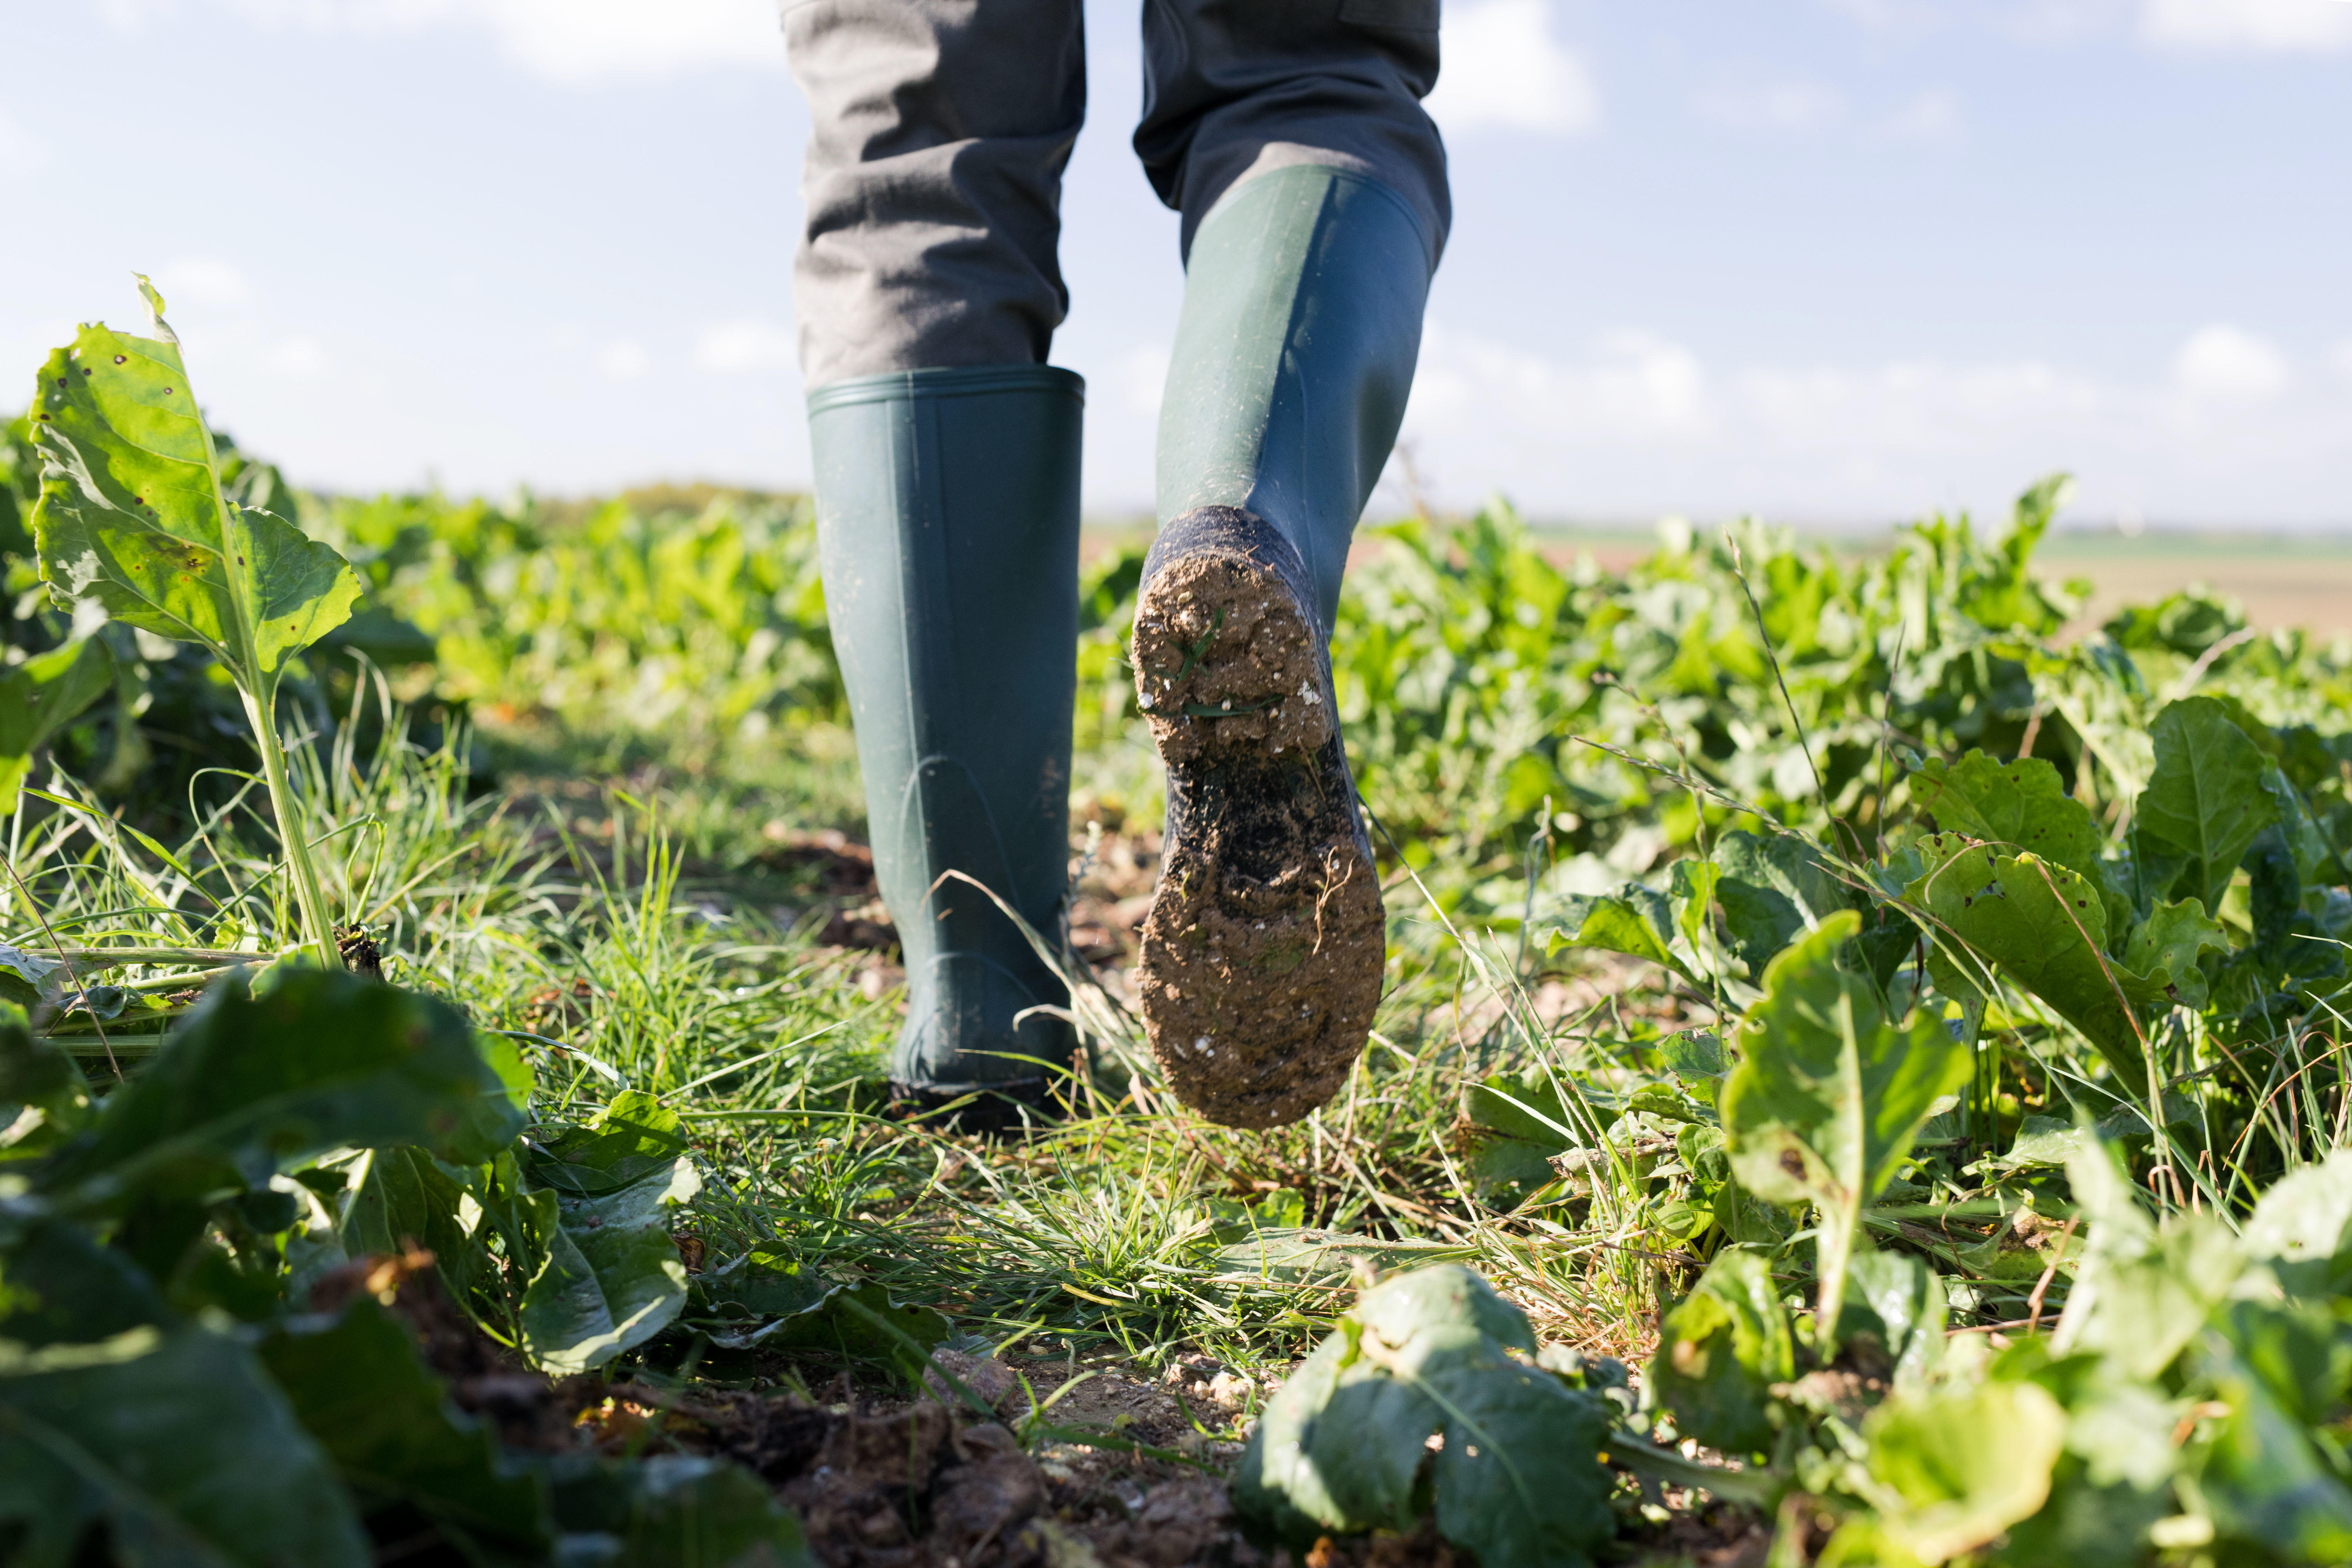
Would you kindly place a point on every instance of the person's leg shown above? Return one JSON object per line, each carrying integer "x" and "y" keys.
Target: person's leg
{"x": 1313, "y": 188}
{"x": 946, "y": 494}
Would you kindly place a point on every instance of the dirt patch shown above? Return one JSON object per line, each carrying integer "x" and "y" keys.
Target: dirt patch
{"x": 1225, "y": 659}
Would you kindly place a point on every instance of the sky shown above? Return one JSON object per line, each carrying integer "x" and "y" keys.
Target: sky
{"x": 1829, "y": 261}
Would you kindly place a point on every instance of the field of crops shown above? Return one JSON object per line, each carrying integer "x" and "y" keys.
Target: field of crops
{"x": 1860, "y": 1078}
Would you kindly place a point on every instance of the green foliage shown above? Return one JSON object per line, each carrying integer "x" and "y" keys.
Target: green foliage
{"x": 1721, "y": 1353}
{"x": 356, "y": 1383}
{"x": 1345, "y": 1446}
{"x": 135, "y": 518}
{"x": 1966, "y": 1463}
{"x": 1824, "y": 1106}
{"x": 127, "y": 1407}
{"x": 2203, "y": 805}
{"x": 42, "y": 695}
{"x": 179, "y": 1443}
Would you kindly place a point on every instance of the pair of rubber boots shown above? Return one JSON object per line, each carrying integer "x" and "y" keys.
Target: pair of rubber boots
{"x": 948, "y": 519}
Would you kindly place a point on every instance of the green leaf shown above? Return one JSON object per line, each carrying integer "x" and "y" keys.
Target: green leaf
{"x": 613, "y": 1279}
{"x": 131, "y": 513}
{"x": 2168, "y": 946}
{"x": 632, "y": 1137}
{"x": 179, "y": 1443}
{"x": 1632, "y": 921}
{"x": 1901, "y": 1300}
{"x": 765, "y": 1299}
{"x": 39, "y": 697}
{"x": 33, "y": 1071}
{"x": 1966, "y": 1463}
{"x": 2301, "y": 1227}
{"x": 1344, "y": 1443}
{"x": 2204, "y": 803}
{"x": 58, "y": 1286}
{"x": 2046, "y": 929}
{"x": 674, "y": 1510}
{"x": 1829, "y": 1096}
{"x": 248, "y": 1087}
{"x": 24, "y": 975}
{"x": 2142, "y": 1292}
{"x": 2023, "y": 807}
{"x": 358, "y": 1387}
{"x": 2259, "y": 1472}
{"x": 401, "y": 1198}
{"x": 1721, "y": 1349}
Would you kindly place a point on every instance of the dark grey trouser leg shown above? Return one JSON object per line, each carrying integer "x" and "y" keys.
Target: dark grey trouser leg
{"x": 1235, "y": 88}
{"x": 933, "y": 177}
{"x": 947, "y": 496}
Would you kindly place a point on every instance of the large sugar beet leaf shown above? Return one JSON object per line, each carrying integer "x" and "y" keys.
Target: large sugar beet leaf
{"x": 613, "y": 1278}
{"x": 1345, "y": 1445}
{"x": 357, "y": 1386}
{"x": 2203, "y": 805}
{"x": 38, "y": 697}
{"x": 2042, "y": 926}
{"x": 251, "y": 1086}
{"x": 179, "y": 1443}
{"x": 2020, "y": 806}
{"x": 1829, "y": 1095}
{"x": 134, "y": 517}
{"x": 131, "y": 513}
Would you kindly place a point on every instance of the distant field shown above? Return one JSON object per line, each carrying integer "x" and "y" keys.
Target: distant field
{"x": 2281, "y": 581}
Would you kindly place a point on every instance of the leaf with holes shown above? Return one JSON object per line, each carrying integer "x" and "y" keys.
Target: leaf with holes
{"x": 2043, "y": 927}
{"x": 133, "y": 517}
{"x": 2020, "y": 806}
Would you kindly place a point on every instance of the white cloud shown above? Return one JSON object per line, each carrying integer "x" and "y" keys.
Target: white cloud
{"x": 1932, "y": 116}
{"x": 571, "y": 43}
{"x": 2227, "y": 364}
{"x": 1637, "y": 386}
{"x": 580, "y": 41}
{"x": 1777, "y": 106}
{"x": 753, "y": 343}
{"x": 203, "y": 281}
{"x": 2342, "y": 359}
{"x": 1504, "y": 69}
{"x": 299, "y": 359}
{"x": 2275, "y": 27}
{"x": 623, "y": 361}
{"x": 1637, "y": 423}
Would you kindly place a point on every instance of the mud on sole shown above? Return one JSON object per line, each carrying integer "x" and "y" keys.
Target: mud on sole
{"x": 1264, "y": 949}
{"x": 1225, "y": 661}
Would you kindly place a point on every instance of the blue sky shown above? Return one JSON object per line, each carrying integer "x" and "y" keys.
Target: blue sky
{"x": 1832, "y": 260}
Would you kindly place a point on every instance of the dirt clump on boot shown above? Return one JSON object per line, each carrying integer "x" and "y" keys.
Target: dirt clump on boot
{"x": 1225, "y": 659}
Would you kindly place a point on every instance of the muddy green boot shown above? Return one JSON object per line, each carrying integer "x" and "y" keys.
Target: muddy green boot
{"x": 1266, "y": 941}
{"x": 948, "y": 532}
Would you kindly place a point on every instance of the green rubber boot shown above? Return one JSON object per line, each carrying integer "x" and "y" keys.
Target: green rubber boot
{"x": 1266, "y": 941}
{"x": 948, "y": 532}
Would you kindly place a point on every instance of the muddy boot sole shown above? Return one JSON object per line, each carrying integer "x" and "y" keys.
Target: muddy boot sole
{"x": 1265, "y": 948}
